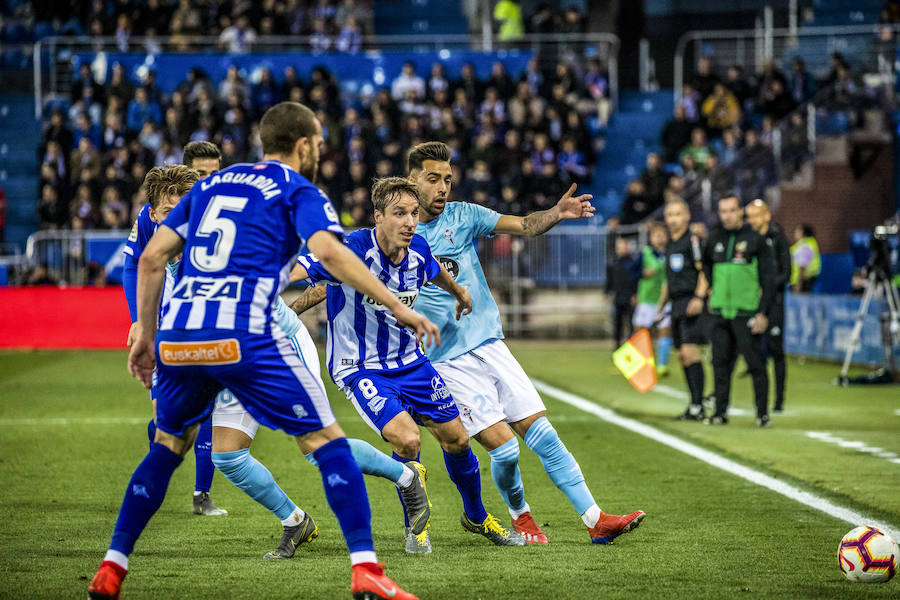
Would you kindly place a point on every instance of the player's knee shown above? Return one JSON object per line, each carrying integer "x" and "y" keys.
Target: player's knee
{"x": 231, "y": 464}
{"x": 407, "y": 444}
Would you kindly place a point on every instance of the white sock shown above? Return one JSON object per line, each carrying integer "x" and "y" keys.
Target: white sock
{"x": 363, "y": 556}
{"x": 516, "y": 513}
{"x": 407, "y": 478}
{"x": 294, "y": 519}
{"x": 591, "y": 515}
{"x": 117, "y": 557}
{"x": 196, "y": 493}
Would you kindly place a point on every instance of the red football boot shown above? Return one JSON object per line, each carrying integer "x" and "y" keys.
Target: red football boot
{"x": 529, "y": 529}
{"x": 107, "y": 583}
{"x": 609, "y": 527}
{"x": 370, "y": 583}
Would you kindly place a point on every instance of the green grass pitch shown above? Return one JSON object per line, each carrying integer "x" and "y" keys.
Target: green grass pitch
{"x": 72, "y": 428}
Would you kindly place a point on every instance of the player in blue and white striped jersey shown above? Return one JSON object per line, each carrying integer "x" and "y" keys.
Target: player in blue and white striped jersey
{"x": 378, "y": 364}
{"x": 240, "y": 232}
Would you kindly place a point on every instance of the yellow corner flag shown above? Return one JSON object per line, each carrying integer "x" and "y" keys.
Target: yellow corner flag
{"x": 635, "y": 360}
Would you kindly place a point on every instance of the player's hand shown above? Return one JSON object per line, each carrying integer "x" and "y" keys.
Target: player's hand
{"x": 694, "y": 307}
{"x": 142, "y": 359}
{"x": 575, "y": 207}
{"x": 132, "y": 333}
{"x": 426, "y": 331}
{"x": 760, "y": 324}
{"x": 463, "y": 303}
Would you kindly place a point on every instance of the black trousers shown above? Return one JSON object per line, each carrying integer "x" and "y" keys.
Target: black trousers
{"x": 729, "y": 337}
{"x": 622, "y": 317}
{"x": 773, "y": 347}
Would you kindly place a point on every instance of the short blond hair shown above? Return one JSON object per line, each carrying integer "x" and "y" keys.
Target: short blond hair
{"x": 388, "y": 189}
{"x": 171, "y": 180}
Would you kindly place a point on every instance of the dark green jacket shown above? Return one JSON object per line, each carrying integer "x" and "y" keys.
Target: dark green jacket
{"x": 740, "y": 267}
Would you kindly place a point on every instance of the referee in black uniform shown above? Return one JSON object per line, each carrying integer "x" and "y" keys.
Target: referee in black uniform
{"x": 740, "y": 268}
{"x": 760, "y": 219}
{"x": 685, "y": 287}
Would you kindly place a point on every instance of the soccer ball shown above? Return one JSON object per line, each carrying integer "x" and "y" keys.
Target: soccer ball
{"x": 868, "y": 555}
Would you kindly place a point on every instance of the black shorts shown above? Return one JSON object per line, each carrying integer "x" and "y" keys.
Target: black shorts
{"x": 689, "y": 330}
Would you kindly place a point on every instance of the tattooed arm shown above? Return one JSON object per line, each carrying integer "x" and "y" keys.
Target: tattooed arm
{"x": 309, "y": 298}
{"x": 568, "y": 207}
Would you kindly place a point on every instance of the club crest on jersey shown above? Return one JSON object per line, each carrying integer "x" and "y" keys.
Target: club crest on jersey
{"x": 132, "y": 237}
{"x": 215, "y": 352}
{"x": 448, "y": 235}
{"x": 676, "y": 261}
{"x": 440, "y": 389}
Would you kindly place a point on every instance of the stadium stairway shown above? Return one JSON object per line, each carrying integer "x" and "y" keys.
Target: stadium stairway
{"x": 404, "y": 17}
{"x": 19, "y": 140}
{"x": 632, "y": 132}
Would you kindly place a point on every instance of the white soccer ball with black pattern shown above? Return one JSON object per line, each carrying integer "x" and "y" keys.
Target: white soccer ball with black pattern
{"x": 868, "y": 555}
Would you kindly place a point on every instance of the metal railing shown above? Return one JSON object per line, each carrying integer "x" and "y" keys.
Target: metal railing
{"x": 53, "y": 74}
{"x": 869, "y": 48}
{"x": 548, "y": 285}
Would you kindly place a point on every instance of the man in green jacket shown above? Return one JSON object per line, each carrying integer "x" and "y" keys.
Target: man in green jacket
{"x": 740, "y": 267}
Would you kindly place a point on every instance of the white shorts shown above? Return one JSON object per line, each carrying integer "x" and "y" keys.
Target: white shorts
{"x": 229, "y": 412}
{"x": 489, "y": 386}
{"x": 645, "y": 315}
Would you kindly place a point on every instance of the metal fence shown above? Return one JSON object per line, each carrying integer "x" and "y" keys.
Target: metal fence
{"x": 870, "y": 49}
{"x": 550, "y": 285}
{"x": 53, "y": 70}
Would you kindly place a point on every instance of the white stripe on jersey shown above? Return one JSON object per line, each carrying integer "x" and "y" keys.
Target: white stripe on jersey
{"x": 225, "y": 318}
{"x": 264, "y": 286}
{"x": 195, "y": 317}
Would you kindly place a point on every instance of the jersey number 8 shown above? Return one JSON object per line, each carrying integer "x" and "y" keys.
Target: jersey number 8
{"x": 212, "y": 222}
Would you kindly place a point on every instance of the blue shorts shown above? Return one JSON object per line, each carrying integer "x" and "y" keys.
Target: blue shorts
{"x": 418, "y": 389}
{"x": 264, "y": 371}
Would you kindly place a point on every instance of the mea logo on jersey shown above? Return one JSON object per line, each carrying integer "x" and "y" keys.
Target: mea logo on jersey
{"x": 191, "y": 288}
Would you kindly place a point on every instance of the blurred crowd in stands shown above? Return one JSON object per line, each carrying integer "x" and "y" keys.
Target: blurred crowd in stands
{"x": 517, "y": 143}
{"x": 737, "y": 133}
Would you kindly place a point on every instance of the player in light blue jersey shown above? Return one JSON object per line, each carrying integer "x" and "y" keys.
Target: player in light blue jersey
{"x": 240, "y": 232}
{"x": 378, "y": 364}
{"x": 493, "y": 393}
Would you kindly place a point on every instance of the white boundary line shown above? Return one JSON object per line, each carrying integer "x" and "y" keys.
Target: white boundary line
{"x": 711, "y": 458}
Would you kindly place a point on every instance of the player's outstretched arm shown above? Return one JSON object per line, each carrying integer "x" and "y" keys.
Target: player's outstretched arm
{"x": 344, "y": 265}
{"x": 308, "y": 298}
{"x": 463, "y": 300}
{"x": 163, "y": 246}
{"x": 537, "y": 223}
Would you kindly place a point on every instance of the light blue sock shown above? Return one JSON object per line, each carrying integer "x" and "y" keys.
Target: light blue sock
{"x": 663, "y": 346}
{"x": 559, "y": 463}
{"x": 371, "y": 461}
{"x": 506, "y": 474}
{"x": 250, "y": 475}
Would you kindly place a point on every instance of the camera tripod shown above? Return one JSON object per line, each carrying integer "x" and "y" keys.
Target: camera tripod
{"x": 878, "y": 285}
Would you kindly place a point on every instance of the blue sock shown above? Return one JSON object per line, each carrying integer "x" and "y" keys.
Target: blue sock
{"x": 506, "y": 474}
{"x": 251, "y": 476}
{"x": 401, "y": 460}
{"x": 202, "y": 454}
{"x": 559, "y": 463}
{"x": 371, "y": 461}
{"x": 151, "y": 431}
{"x": 663, "y": 346}
{"x": 144, "y": 495}
{"x": 346, "y": 494}
{"x": 463, "y": 470}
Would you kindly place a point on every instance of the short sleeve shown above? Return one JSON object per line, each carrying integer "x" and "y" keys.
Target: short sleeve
{"x": 141, "y": 232}
{"x": 179, "y": 219}
{"x": 315, "y": 271}
{"x": 312, "y": 211}
{"x": 432, "y": 266}
{"x": 483, "y": 219}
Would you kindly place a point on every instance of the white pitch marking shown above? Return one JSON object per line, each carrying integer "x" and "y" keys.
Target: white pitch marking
{"x": 824, "y": 436}
{"x": 681, "y": 395}
{"x": 73, "y": 421}
{"x": 711, "y": 458}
